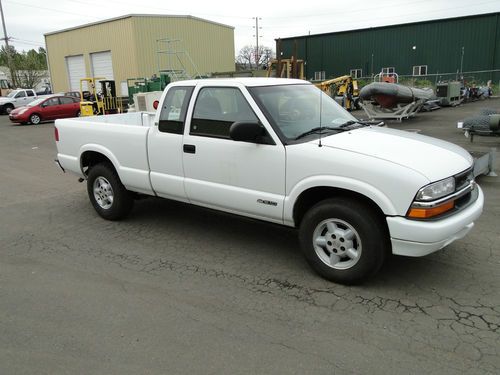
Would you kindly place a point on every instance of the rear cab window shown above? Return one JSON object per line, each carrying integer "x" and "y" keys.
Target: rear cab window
{"x": 174, "y": 108}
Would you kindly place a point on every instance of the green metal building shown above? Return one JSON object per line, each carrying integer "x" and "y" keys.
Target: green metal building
{"x": 434, "y": 50}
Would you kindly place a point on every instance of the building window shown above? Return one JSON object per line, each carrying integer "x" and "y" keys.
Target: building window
{"x": 388, "y": 71}
{"x": 319, "y": 76}
{"x": 356, "y": 73}
{"x": 420, "y": 70}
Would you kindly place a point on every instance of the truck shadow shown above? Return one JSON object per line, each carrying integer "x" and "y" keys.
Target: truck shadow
{"x": 270, "y": 243}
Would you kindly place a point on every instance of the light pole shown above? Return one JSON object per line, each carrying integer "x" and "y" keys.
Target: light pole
{"x": 257, "y": 57}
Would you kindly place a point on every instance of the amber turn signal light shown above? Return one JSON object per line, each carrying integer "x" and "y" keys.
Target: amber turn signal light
{"x": 425, "y": 213}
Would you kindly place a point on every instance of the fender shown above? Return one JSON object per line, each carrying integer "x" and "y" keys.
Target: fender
{"x": 345, "y": 183}
{"x": 102, "y": 150}
{"x": 133, "y": 179}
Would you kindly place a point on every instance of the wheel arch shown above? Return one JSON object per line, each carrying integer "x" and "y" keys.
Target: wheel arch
{"x": 93, "y": 155}
{"x": 314, "y": 195}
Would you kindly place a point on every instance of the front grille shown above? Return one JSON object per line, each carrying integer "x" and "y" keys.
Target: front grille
{"x": 463, "y": 179}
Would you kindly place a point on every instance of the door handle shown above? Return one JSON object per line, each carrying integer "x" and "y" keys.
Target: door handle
{"x": 189, "y": 149}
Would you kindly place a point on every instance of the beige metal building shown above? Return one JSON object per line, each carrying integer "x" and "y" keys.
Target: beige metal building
{"x": 130, "y": 47}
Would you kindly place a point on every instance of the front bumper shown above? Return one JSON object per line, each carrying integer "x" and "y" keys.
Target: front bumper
{"x": 16, "y": 118}
{"x": 418, "y": 238}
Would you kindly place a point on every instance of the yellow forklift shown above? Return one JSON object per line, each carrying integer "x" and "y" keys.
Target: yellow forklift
{"x": 99, "y": 102}
{"x": 344, "y": 87}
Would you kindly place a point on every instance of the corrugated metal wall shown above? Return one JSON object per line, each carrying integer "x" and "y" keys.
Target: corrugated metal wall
{"x": 116, "y": 36}
{"x": 438, "y": 44}
{"x": 210, "y": 45}
{"x": 133, "y": 46}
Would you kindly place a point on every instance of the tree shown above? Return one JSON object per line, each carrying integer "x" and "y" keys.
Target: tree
{"x": 28, "y": 68}
{"x": 249, "y": 58}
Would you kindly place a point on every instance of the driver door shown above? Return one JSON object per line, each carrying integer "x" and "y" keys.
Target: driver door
{"x": 239, "y": 177}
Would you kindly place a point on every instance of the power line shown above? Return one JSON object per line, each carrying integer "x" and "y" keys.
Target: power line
{"x": 51, "y": 9}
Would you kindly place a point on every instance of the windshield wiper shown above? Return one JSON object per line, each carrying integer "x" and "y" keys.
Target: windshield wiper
{"x": 359, "y": 122}
{"x": 315, "y": 130}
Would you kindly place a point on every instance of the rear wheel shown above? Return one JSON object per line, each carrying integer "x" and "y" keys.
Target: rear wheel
{"x": 107, "y": 194}
{"x": 35, "y": 119}
{"x": 78, "y": 114}
{"x": 343, "y": 240}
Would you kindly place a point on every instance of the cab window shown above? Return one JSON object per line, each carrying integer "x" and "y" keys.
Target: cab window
{"x": 173, "y": 111}
{"x": 216, "y": 109}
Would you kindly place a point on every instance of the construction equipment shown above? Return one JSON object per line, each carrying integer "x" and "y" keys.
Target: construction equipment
{"x": 141, "y": 85}
{"x": 286, "y": 68}
{"x": 449, "y": 93}
{"x": 343, "y": 89}
{"x": 90, "y": 105}
{"x": 99, "y": 102}
{"x": 111, "y": 103}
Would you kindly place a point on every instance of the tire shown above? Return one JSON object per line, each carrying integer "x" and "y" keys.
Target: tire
{"x": 343, "y": 240}
{"x": 35, "y": 119}
{"x": 78, "y": 114}
{"x": 8, "y": 108}
{"x": 107, "y": 194}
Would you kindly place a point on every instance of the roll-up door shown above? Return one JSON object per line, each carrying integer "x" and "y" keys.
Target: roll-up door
{"x": 102, "y": 65}
{"x": 76, "y": 70}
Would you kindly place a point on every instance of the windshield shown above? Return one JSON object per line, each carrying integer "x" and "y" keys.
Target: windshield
{"x": 12, "y": 94}
{"x": 297, "y": 109}
{"x": 35, "y": 102}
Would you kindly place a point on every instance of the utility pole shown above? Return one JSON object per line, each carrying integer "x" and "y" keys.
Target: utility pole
{"x": 257, "y": 57}
{"x": 7, "y": 48}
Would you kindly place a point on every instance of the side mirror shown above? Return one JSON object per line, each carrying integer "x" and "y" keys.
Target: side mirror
{"x": 246, "y": 132}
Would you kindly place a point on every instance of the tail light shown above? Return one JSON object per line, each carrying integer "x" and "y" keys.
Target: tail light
{"x": 56, "y": 134}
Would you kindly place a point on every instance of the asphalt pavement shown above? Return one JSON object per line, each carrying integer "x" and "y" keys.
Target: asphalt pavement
{"x": 177, "y": 289}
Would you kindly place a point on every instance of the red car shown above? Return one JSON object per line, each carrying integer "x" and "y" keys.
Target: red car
{"x": 46, "y": 108}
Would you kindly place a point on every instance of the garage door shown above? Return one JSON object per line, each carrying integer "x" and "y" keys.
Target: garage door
{"x": 102, "y": 65}
{"x": 76, "y": 70}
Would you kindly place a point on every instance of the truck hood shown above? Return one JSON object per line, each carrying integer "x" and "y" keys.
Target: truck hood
{"x": 5, "y": 100}
{"x": 431, "y": 157}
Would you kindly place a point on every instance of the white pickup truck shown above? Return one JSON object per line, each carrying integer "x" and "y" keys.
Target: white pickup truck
{"x": 16, "y": 98}
{"x": 281, "y": 151}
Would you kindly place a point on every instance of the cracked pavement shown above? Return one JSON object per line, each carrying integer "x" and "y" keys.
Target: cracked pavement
{"x": 179, "y": 289}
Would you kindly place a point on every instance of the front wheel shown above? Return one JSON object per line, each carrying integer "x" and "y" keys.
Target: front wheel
{"x": 343, "y": 240}
{"x": 35, "y": 119}
{"x": 107, "y": 194}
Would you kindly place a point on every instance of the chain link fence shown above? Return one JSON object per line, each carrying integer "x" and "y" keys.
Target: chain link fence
{"x": 478, "y": 78}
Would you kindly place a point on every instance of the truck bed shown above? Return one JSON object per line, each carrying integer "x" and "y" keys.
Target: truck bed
{"x": 122, "y": 138}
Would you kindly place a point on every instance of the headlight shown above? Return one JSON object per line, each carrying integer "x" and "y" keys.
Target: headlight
{"x": 436, "y": 190}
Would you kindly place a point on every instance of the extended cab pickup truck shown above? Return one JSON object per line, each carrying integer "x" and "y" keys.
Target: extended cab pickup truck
{"x": 16, "y": 98}
{"x": 281, "y": 151}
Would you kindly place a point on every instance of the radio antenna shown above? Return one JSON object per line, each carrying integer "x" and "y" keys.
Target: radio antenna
{"x": 320, "y": 114}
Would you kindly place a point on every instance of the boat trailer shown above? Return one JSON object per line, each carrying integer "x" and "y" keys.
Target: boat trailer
{"x": 399, "y": 112}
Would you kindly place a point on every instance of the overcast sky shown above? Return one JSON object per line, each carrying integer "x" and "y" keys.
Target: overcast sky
{"x": 28, "y": 20}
